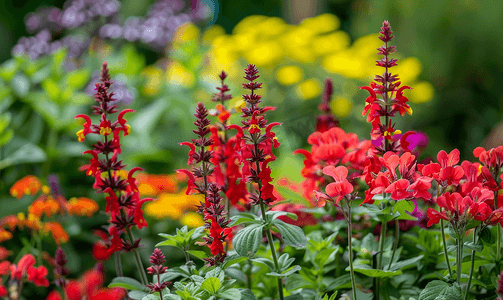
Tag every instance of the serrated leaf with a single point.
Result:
(212, 285)
(292, 235)
(136, 294)
(438, 288)
(247, 240)
(127, 283)
(232, 294)
(247, 295)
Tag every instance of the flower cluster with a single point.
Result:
(255, 147)
(384, 135)
(46, 205)
(123, 201)
(213, 207)
(88, 287)
(24, 270)
(216, 222)
(227, 174)
(330, 148)
(157, 260)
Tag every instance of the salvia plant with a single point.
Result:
(368, 221)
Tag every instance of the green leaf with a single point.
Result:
(340, 282)
(28, 153)
(247, 295)
(232, 294)
(294, 297)
(476, 247)
(6, 136)
(292, 235)
(368, 271)
(247, 241)
(212, 285)
(486, 236)
(404, 208)
(143, 122)
(127, 283)
(77, 79)
(136, 294)
(151, 297)
(437, 289)
(52, 89)
(232, 259)
(285, 273)
(405, 264)
(20, 85)
(326, 255)
(8, 69)
(243, 218)
(198, 254)
(274, 214)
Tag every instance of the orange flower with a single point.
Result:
(37, 207)
(82, 206)
(5, 235)
(32, 222)
(10, 221)
(153, 185)
(27, 185)
(58, 233)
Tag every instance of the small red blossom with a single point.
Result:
(341, 187)
(38, 276)
(398, 189)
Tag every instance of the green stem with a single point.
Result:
(350, 237)
(139, 264)
(498, 246)
(459, 257)
(249, 274)
(472, 264)
(379, 257)
(118, 264)
(273, 251)
(395, 245)
(445, 248)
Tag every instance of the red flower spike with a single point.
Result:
(267, 188)
(131, 180)
(87, 127)
(191, 182)
(191, 152)
(112, 201)
(271, 134)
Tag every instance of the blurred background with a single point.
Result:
(165, 56)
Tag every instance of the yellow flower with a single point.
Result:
(248, 23)
(192, 220)
(322, 23)
(240, 104)
(288, 75)
(186, 32)
(213, 32)
(422, 92)
(308, 89)
(330, 43)
(408, 69)
(153, 83)
(340, 106)
(345, 63)
(264, 54)
(178, 75)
